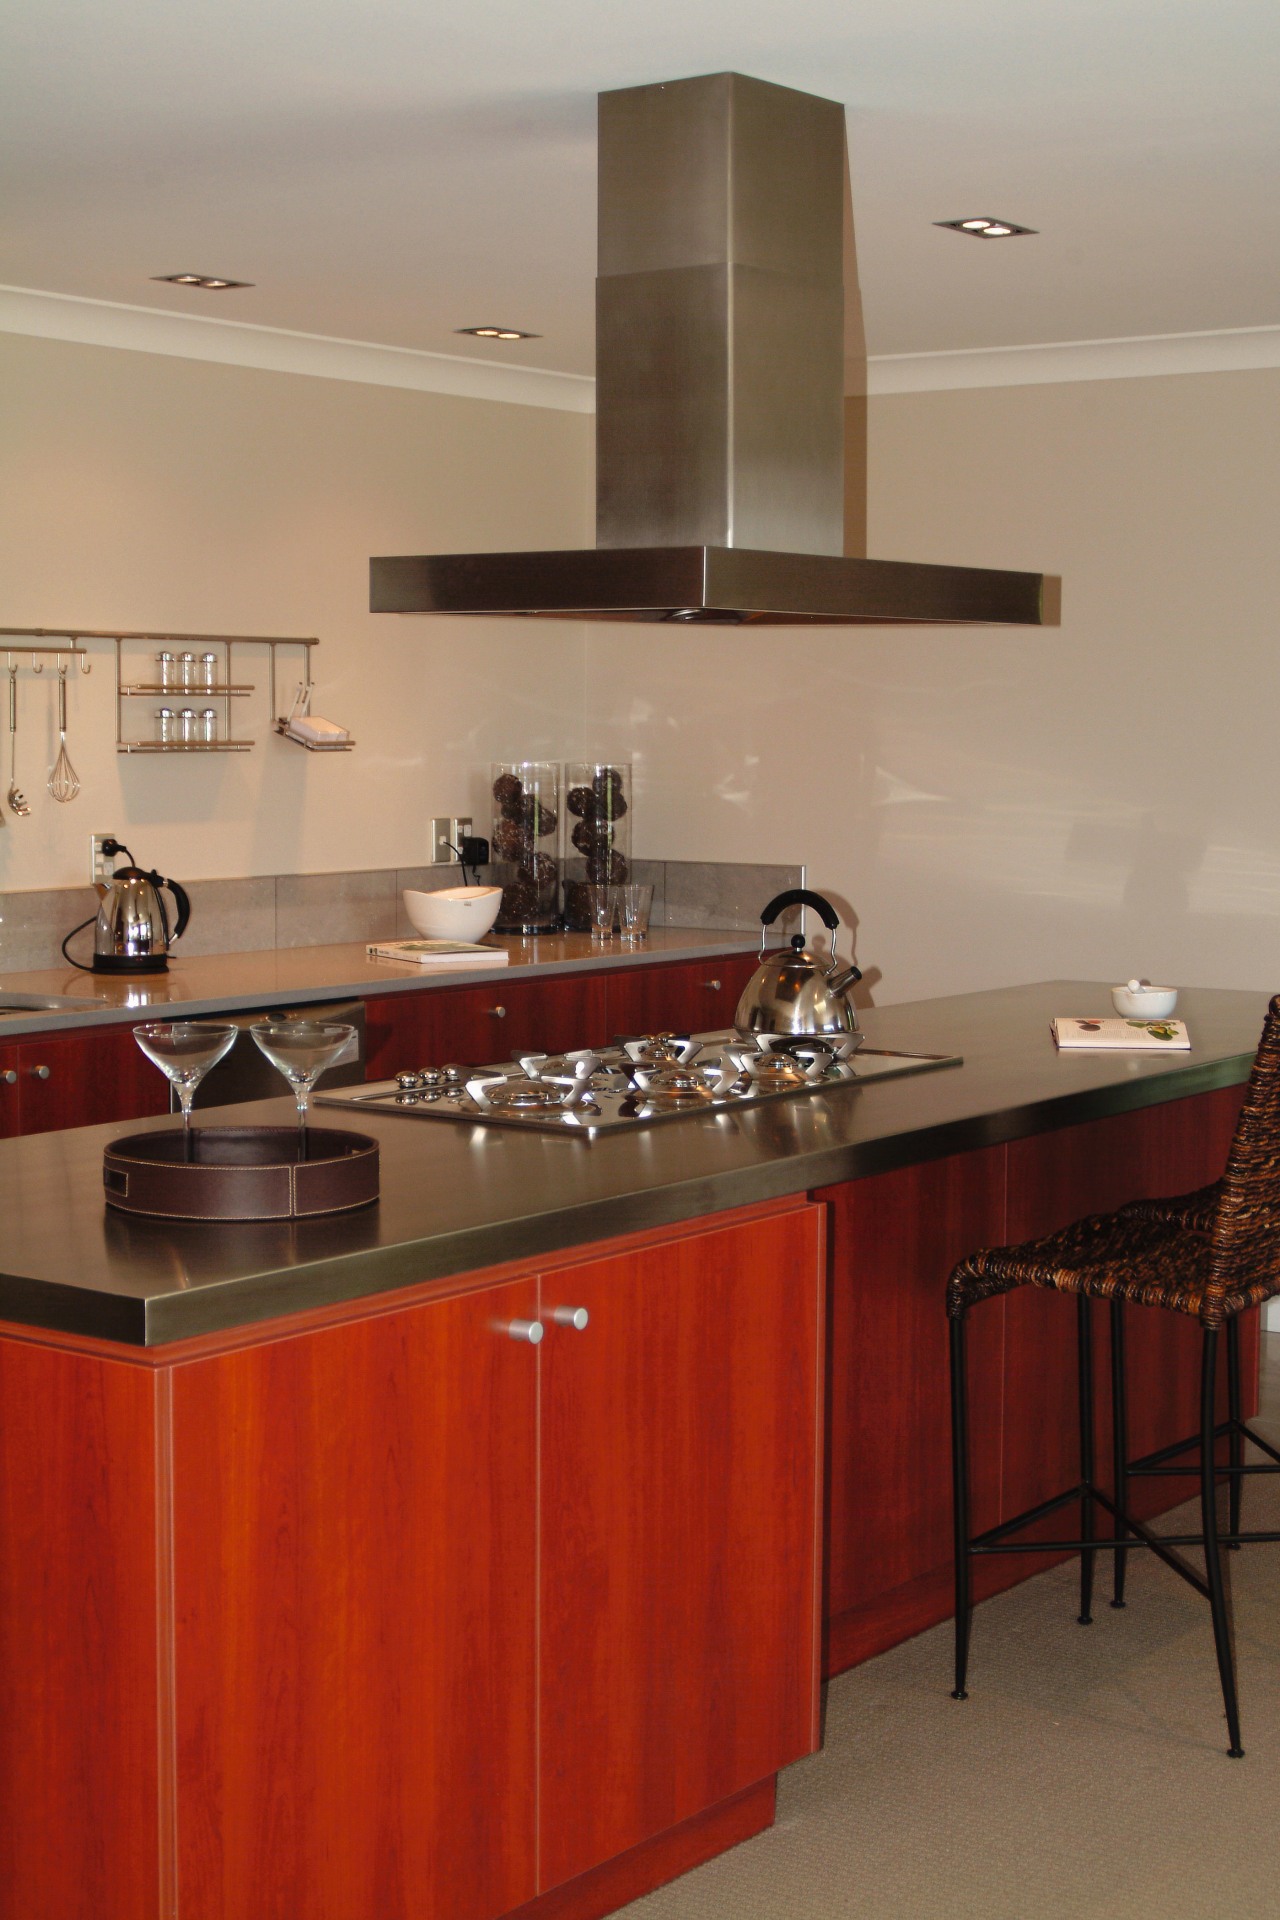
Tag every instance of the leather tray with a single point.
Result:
(241, 1173)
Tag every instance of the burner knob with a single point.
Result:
(407, 1082)
(454, 1074)
(576, 1317)
(430, 1076)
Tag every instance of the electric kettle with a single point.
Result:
(795, 990)
(132, 932)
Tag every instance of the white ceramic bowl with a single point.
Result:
(1144, 1003)
(453, 913)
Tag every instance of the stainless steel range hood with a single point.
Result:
(730, 393)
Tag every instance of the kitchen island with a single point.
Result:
(328, 1592)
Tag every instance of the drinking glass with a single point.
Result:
(602, 907)
(302, 1050)
(184, 1051)
(635, 903)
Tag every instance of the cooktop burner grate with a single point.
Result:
(645, 1081)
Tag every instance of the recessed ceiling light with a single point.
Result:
(497, 333)
(211, 282)
(984, 228)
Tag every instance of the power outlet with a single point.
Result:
(101, 865)
(447, 834)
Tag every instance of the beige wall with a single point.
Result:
(160, 493)
(1097, 801)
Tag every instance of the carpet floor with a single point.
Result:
(1085, 1778)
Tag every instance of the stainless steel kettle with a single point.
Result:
(794, 989)
(132, 932)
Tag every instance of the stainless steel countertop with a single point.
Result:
(455, 1199)
(290, 976)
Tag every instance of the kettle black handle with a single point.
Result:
(801, 897)
(183, 899)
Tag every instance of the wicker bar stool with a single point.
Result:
(1212, 1255)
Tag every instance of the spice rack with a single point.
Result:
(217, 682)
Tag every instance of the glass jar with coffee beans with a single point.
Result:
(525, 843)
(597, 799)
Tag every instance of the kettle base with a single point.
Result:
(130, 963)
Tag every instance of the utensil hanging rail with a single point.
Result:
(72, 652)
(35, 642)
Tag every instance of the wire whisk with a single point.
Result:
(64, 781)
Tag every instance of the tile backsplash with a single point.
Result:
(322, 909)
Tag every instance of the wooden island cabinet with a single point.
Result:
(327, 1593)
(397, 1613)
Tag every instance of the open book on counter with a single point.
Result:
(1107, 1036)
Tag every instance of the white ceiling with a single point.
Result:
(388, 171)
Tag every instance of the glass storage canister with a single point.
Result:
(597, 798)
(525, 844)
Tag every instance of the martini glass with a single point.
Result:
(184, 1051)
(302, 1050)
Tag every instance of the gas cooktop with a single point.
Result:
(636, 1082)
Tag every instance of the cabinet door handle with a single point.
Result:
(712, 986)
(40, 1073)
(576, 1317)
(9, 1077)
(497, 1013)
(530, 1330)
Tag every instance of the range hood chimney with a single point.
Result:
(730, 384)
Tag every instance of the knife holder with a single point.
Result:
(241, 1173)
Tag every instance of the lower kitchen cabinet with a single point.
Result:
(429, 1619)
(478, 1024)
(77, 1080)
(696, 996)
(499, 1020)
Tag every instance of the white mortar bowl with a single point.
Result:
(453, 913)
(1144, 1003)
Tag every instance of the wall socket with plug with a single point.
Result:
(447, 834)
(101, 865)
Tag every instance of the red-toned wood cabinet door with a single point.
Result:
(10, 1095)
(476, 1025)
(84, 1078)
(680, 1531)
(81, 1823)
(696, 996)
(355, 1585)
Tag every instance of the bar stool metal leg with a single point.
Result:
(1084, 1364)
(1119, 1446)
(1235, 1443)
(1212, 1554)
(960, 1504)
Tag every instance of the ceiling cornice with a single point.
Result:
(197, 336)
(105, 323)
(1231, 350)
